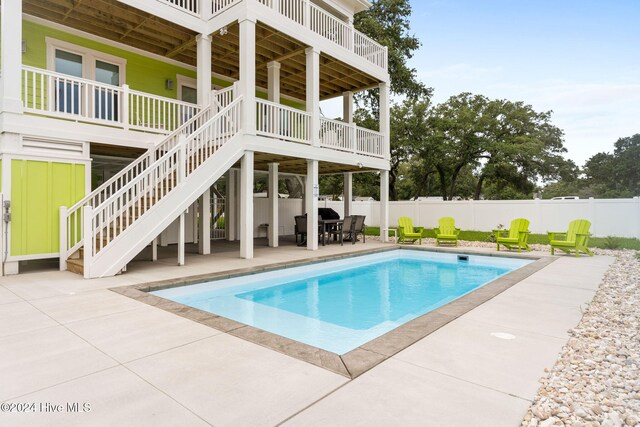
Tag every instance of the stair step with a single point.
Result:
(75, 265)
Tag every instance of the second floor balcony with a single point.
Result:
(60, 96)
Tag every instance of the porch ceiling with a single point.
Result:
(124, 24)
(298, 166)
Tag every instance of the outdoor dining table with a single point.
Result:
(324, 226)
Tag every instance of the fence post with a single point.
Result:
(124, 113)
(87, 234)
(637, 199)
(63, 238)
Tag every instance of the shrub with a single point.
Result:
(220, 223)
(612, 242)
(493, 237)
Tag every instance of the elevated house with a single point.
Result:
(118, 118)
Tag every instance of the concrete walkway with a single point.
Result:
(66, 340)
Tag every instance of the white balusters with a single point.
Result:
(279, 121)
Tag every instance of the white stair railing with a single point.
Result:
(71, 219)
(107, 222)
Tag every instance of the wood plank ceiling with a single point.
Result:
(298, 166)
(118, 22)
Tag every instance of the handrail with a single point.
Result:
(74, 215)
(112, 216)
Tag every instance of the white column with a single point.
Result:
(204, 223)
(347, 107)
(248, 74)
(347, 192)
(273, 87)
(313, 92)
(385, 117)
(230, 207)
(238, 201)
(154, 249)
(273, 205)
(203, 67)
(181, 240)
(246, 205)
(311, 200)
(384, 206)
(11, 56)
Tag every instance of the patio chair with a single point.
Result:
(446, 231)
(576, 238)
(357, 227)
(518, 234)
(300, 229)
(407, 233)
(341, 230)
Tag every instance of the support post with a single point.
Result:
(246, 205)
(385, 118)
(203, 66)
(154, 250)
(63, 238)
(87, 235)
(311, 200)
(230, 208)
(273, 205)
(273, 86)
(204, 223)
(11, 56)
(347, 192)
(313, 93)
(248, 75)
(384, 206)
(181, 240)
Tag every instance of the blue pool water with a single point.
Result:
(340, 305)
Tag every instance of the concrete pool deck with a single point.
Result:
(66, 340)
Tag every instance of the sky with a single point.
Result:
(579, 58)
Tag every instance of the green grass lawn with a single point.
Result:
(484, 236)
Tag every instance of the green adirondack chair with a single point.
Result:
(575, 239)
(446, 231)
(517, 235)
(407, 233)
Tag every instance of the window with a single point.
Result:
(90, 100)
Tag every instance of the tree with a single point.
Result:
(521, 146)
(387, 22)
(617, 174)
(507, 144)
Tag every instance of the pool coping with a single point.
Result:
(363, 358)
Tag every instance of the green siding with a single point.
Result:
(38, 189)
(143, 73)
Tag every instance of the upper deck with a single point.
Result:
(325, 25)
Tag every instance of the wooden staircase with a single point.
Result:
(139, 206)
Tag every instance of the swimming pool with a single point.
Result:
(340, 305)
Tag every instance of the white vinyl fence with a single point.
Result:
(609, 217)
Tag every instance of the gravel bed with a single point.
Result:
(596, 379)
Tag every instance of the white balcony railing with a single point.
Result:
(370, 142)
(343, 136)
(282, 122)
(54, 94)
(337, 135)
(328, 26)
